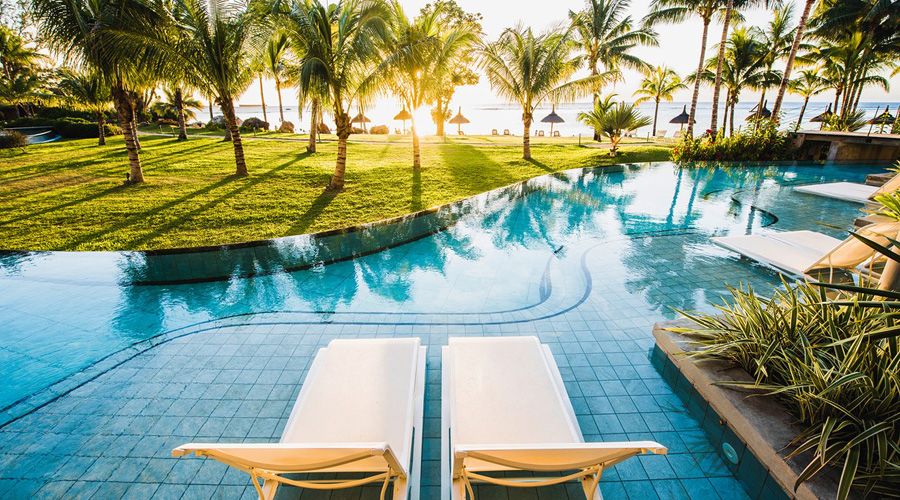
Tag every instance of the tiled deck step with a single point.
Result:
(878, 179)
(870, 219)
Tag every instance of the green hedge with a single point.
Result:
(69, 127)
(763, 144)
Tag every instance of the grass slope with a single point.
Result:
(70, 195)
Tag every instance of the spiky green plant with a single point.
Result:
(830, 353)
(613, 121)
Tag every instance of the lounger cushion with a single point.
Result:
(504, 392)
(793, 251)
(847, 191)
(364, 392)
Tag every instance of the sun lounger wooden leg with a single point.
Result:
(401, 489)
(590, 485)
(269, 489)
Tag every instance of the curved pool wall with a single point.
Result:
(586, 259)
(37, 135)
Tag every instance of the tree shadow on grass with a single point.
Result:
(244, 184)
(306, 219)
(93, 196)
(415, 202)
(472, 169)
(541, 165)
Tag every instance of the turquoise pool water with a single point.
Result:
(587, 260)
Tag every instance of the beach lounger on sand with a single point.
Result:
(803, 252)
(505, 409)
(359, 412)
(851, 191)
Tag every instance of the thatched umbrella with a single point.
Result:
(459, 120)
(681, 119)
(881, 120)
(822, 118)
(361, 118)
(403, 115)
(552, 119)
(756, 113)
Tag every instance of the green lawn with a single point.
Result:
(70, 196)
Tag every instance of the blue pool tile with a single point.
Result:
(670, 489)
(728, 487)
(640, 490)
(700, 489)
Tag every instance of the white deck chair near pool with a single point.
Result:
(505, 409)
(801, 253)
(359, 413)
(851, 191)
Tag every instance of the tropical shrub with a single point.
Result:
(613, 120)
(253, 124)
(12, 139)
(379, 130)
(830, 354)
(764, 143)
(286, 127)
(69, 127)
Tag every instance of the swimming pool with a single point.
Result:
(213, 343)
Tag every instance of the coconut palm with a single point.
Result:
(807, 84)
(676, 11)
(418, 50)
(182, 107)
(530, 69)
(15, 56)
(742, 68)
(728, 18)
(274, 62)
(88, 32)
(341, 44)
(659, 84)
(776, 39)
(217, 39)
(606, 35)
(459, 33)
(86, 90)
(614, 122)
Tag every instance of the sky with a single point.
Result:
(679, 45)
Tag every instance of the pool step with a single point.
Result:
(878, 179)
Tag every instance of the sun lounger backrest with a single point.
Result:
(853, 252)
(363, 392)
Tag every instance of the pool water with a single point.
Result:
(123, 355)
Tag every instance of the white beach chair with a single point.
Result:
(505, 408)
(800, 253)
(660, 134)
(359, 411)
(851, 191)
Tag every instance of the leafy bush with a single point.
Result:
(12, 139)
(765, 143)
(253, 124)
(379, 130)
(286, 127)
(830, 354)
(69, 127)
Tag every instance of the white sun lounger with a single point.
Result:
(505, 408)
(851, 191)
(801, 252)
(359, 412)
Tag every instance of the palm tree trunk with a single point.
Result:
(124, 110)
(280, 108)
(526, 136)
(210, 109)
(801, 27)
(342, 124)
(441, 117)
(725, 112)
(731, 117)
(719, 60)
(231, 122)
(655, 115)
(417, 160)
(802, 110)
(262, 97)
(690, 129)
(179, 110)
(101, 135)
(313, 125)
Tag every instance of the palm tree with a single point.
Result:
(20, 82)
(659, 84)
(86, 90)
(176, 103)
(807, 84)
(529, 69)
(676, 11)
(799, 32)
(614, 122)
(418, 53)
(217, 39)
(88, 32)
(720, 59)
(341, 43)
(459, 33)
(742, 68)
(606, 35)
(776, 40)
(274, 61)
